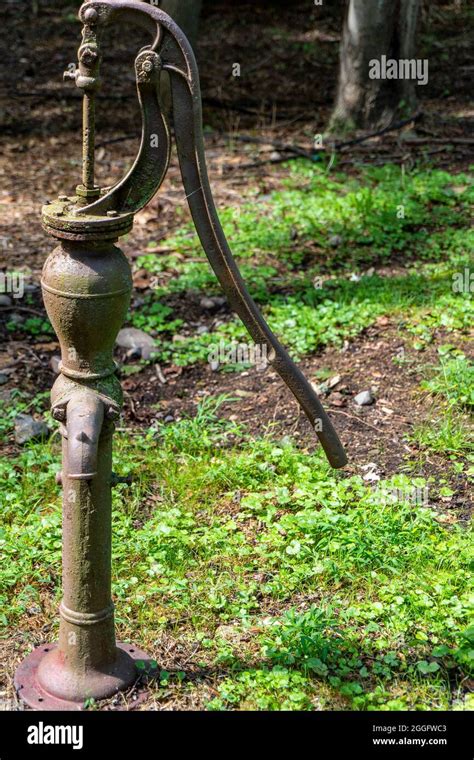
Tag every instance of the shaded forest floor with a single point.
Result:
(234, 536)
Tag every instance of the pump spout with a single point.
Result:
(84, 420)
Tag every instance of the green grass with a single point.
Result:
(381, 212)
(454, 380)
(449, 431)
(445, 433)
(286, 585)
(422, 302)
(288, 235)
(333, 598)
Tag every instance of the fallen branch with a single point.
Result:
(113, 140)
(354, 417)
(300, 152)
(440, 140)
(391, 128)
(296, 149)
(25, 309)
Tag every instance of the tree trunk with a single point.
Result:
(372, 29)
(186, 14)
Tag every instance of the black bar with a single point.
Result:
(309, 735)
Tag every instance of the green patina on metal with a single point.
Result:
(86, 286)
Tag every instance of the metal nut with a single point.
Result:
(59, 414)
(113, 413)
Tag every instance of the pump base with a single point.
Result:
(35, 696)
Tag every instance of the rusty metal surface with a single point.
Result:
(32, 693)
(86, 286)
(177, 58)
(149, 169)
(86, 290)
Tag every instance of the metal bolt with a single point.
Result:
(91, 15)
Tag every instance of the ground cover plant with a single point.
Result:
(257, 577)
(292, 587)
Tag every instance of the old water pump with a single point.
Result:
(87, 286)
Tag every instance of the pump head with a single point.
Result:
(95, 214)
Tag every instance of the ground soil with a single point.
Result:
(285, 93)
(274, 96)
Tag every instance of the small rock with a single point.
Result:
(365, 398)
(5, 300)
(169, 418)
(275, 156)
(371, 472)
(335, 241)
(202, 330)
(209, 303)
(132, 338)
(371, 477)
(3, 379)
(29, 429)
(54, 364)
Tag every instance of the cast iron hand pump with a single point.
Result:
(86, 287)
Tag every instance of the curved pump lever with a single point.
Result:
(177, 58)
